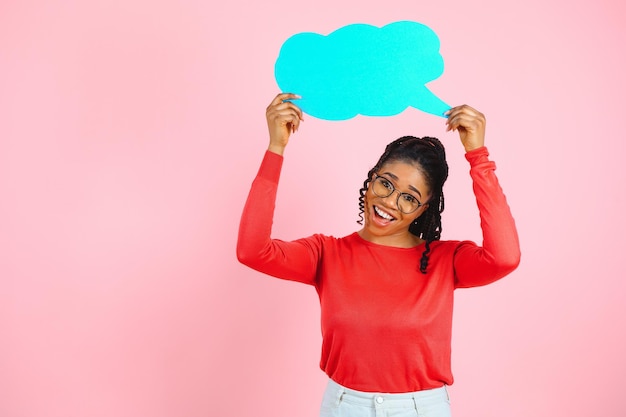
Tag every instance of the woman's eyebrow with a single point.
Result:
(395, 178)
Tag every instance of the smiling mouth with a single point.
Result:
(383, 214)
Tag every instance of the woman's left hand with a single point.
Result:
(470, 123)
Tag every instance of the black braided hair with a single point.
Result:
(429, 156)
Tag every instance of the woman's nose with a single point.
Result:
(391, 200)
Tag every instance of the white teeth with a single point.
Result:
(382, 214)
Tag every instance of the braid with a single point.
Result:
(429, 155)
(424, 258)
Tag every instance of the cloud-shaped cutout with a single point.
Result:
(362, 69)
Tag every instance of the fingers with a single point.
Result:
(281, 97)
(285, 113)
(283, 101)
(466, 117)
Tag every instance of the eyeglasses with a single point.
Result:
(383, 188)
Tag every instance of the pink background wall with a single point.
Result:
(130, 131)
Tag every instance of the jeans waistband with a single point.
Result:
(386, 400)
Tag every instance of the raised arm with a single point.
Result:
(255, 248)
(500, 252)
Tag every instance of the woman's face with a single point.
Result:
(384, 222)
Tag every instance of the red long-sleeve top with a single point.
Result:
(386, 327)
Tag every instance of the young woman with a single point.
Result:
(386, 291)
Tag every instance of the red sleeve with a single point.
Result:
(297, 260)
(500, 252)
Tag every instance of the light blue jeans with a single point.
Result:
(339, 401)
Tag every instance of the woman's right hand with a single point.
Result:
(283, 119)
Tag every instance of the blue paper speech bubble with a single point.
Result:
(362, 69)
